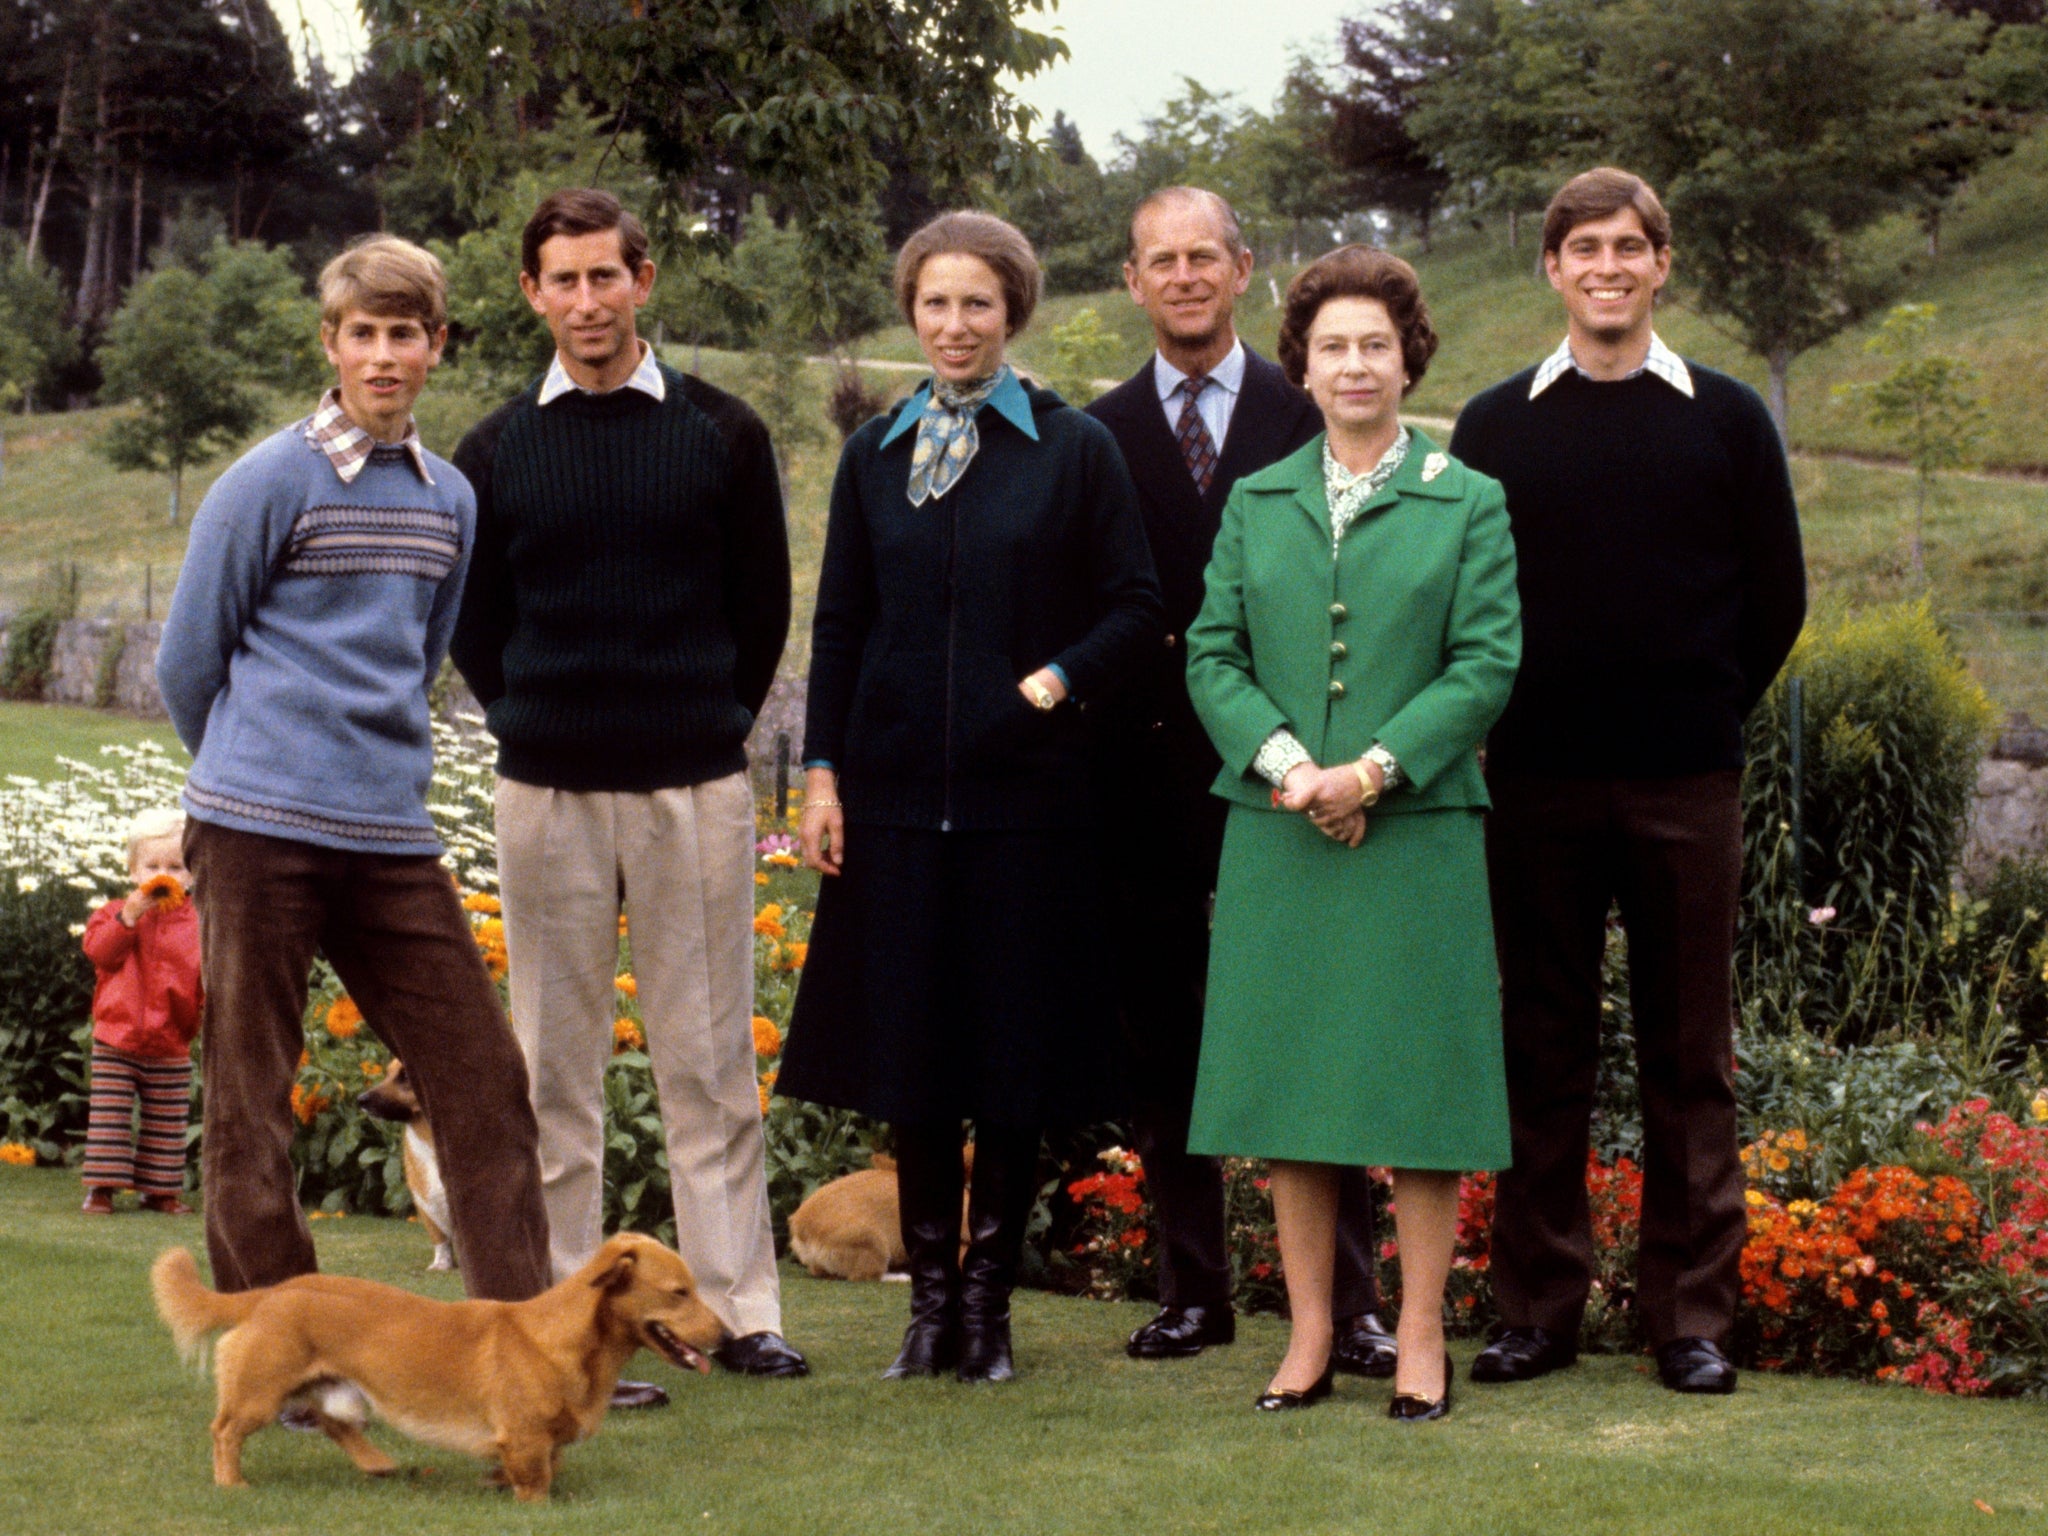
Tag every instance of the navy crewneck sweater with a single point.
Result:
(629, 595)
(1658, 558)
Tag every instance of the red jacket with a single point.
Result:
(148, 997)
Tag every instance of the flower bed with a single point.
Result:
(1934, 1276)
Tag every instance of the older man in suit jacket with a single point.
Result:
(1203, 412)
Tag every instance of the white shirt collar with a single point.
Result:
(1661, 361)
(1229, 372)
(646, 378)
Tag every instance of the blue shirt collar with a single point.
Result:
(1009, 400)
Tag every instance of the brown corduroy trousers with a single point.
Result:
(394, 931)
(1669, 852)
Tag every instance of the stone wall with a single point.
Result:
(76, 658)
(2010, 817)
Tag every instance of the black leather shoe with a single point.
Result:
(638, 1394)
(1414, 1408)
(1270, 1401)
(1364, 1347)
(1181, 1331)
(1695, 1365)
(760, 1354)
(1523, 1354)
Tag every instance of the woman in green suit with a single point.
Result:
(1358, 638)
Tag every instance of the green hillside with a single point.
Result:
(1495, 314)
(1987, 542)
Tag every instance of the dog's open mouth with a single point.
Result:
(675, 1351)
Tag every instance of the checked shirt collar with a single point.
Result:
(1662, 361)
(348, 447)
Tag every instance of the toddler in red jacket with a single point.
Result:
(145, 1015)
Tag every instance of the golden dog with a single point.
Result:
(852, 1229)
(393, 1098)
(512, 1382)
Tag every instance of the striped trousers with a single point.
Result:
(152, 1163)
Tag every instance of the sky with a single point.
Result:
(1128, 55)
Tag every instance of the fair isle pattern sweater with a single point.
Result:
(309, 619)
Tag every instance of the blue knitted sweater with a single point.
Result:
(309, 619)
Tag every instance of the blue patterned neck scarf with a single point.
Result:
(946, 435)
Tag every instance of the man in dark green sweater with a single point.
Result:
(1662, 586)
(627, 605)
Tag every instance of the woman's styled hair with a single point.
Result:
(385, 276)
(153, 826)
(1597, 194)
(1357, 272)
(581, 211)
(984, 236)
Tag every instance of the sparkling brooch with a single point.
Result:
(1435, 465)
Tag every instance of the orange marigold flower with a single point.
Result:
(482, 901)
(626, 1036)
(794, 954)
(627, 984)
(167, 889)
(307, 1103)
(372, 1070)
(18, 1154)
(344, 1018)
(767, 1038)
(759, 878)
(768, 921)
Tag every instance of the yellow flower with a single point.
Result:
(19, 1154)
(627, 984)
(1794, 1139)
(481, 901)
(626, 1036)
(767, 1038)
(1778, 1162)
(782, 860)
(2039, 1108)
(344, 1018)
(759, 878)
(1754, 1196)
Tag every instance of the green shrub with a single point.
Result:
(45, 995)
(31, 643)
(1894, 729)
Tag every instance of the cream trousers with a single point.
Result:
(679, 864)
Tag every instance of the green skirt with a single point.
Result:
(1354, 1004)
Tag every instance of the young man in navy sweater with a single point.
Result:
(623, 622)
(1662, 586)
(313, 610)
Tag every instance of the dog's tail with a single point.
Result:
(188, 1308)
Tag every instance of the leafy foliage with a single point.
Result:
(45, 993)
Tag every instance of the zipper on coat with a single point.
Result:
(952, 635)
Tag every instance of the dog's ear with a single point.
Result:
(618, 1274)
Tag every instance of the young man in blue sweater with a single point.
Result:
(319, 589)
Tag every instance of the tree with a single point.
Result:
(1082, 349)
(192, 394)
(1507, 111)
(1929, 400)
(1777, 131)
(35, 342)
(809, 100)
(1387, 60)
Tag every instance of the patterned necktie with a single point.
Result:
(1196, 445)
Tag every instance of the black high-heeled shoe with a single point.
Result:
(1270, 1401)
(1414, 1408)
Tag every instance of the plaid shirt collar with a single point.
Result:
(646, 378)
(1662, 361)
(348, 447)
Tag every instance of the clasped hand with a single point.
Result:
(1332, 798)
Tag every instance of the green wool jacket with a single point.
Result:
(1411, 638)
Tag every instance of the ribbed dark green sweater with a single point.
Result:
(628, 598)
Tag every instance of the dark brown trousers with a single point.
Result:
(394, 931)
(1669, 852)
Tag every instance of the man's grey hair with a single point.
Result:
(1226, 216)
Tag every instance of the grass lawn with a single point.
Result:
(106, 1434)
(34, 736)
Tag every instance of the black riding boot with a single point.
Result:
(1000, 1196)
(928, 1181)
